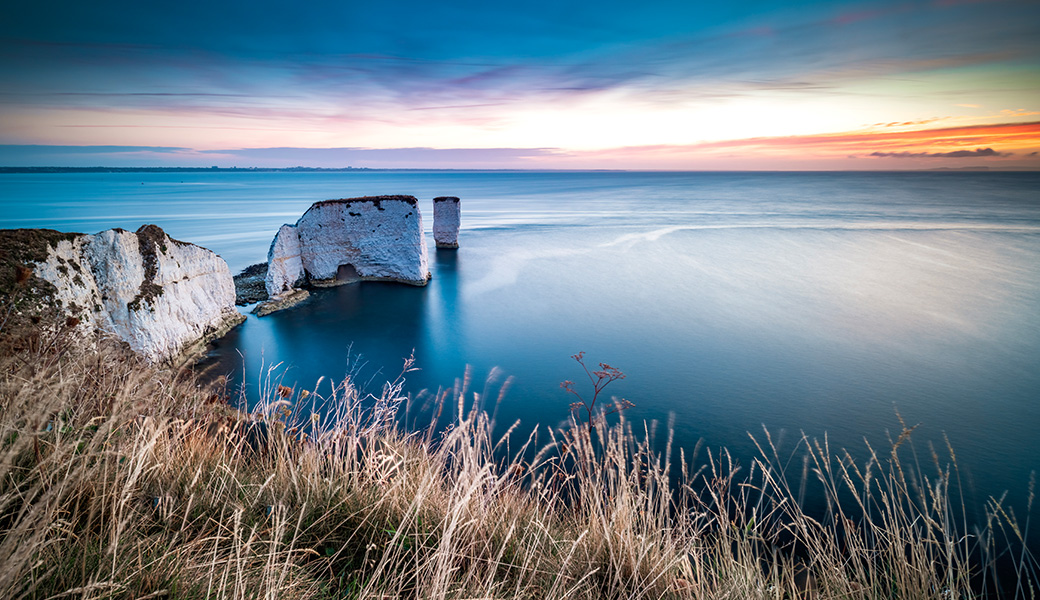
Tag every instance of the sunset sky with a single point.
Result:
(542, 84)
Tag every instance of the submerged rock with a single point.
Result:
(163, 297)
(446, 211)
(280, 302)
(373, 238)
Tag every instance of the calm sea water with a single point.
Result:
(802, 302)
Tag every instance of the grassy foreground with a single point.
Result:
(120, 480)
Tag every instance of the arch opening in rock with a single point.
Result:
(347, 273)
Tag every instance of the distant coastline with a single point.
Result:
(178, 169)
(262, 170)
(3, 170)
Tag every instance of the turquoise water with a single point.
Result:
(815, 302)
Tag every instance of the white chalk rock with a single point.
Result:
(76, 288)
(370, 238)
(446, 221)
(163, 297)
(284, 266)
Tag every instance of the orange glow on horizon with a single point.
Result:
(1002, 144)
(1002, 136)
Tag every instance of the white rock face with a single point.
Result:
(77, 289)
(159, 295)
(284, 267)
(446, 221)
(339, 241)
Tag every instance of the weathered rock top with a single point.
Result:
(376, 200)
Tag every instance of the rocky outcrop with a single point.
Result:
(163, 297)
(281, 302)
(374, 238)
(284, 262)
(446, 221)
(250, 286)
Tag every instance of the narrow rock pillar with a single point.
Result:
(446, 221)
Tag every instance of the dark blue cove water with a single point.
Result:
(804, 302)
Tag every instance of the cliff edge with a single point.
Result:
(165, 298)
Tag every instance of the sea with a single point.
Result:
(835, 306)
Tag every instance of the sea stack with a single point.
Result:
(373, 238)
(446, 221)
(165, 298)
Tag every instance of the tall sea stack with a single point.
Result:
(373, 238)
(446, 221)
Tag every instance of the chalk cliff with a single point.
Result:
(163, 297)
(374, 238)
(446, 221)
(284, 265)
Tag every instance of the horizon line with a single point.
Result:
(301, 168)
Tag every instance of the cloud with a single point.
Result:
(14, 155)
(909, 123)
(834, 150)
(1016, 144)
(29, 149)
(1021, 112)
(977, 153)
(479, 158)
(387, 56)
(148, 156)
(920, 140)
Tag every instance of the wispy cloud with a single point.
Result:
(1014, 135)
(480, 158)
(1021, 112)
(976, 153)
(28, 149)
(1011, 144)
(502, 58)
(90, 156)
(505, 75)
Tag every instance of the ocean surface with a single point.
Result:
(820, 303)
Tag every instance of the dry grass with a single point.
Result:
(119, 480)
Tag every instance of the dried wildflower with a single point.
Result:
(284, 391)
(600, 379)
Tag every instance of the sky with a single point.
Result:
(540, 84)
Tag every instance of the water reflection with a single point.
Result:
(446, 315)
(367, 328)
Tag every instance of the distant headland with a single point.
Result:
(179, 169)
(300, 169)
(216, 169)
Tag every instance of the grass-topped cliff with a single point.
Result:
(123, 480)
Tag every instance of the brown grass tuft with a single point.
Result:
(120, 480)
